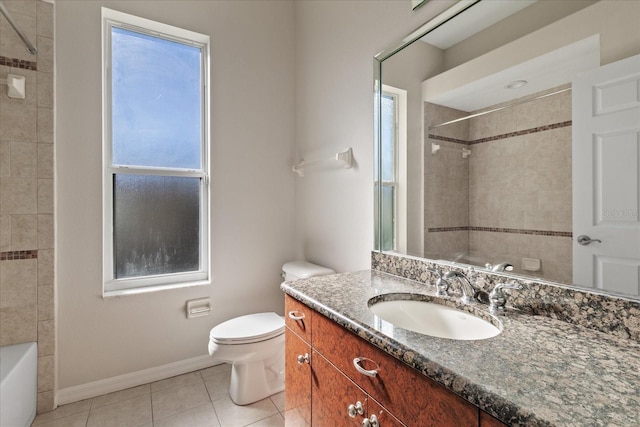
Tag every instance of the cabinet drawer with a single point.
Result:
(415, 399)
(297, 317)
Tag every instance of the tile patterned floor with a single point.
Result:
(196, 399)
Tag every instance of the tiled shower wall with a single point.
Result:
(27, 289)
(519, 186)
(446, 185)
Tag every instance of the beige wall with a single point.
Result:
(446, 185)
(252, 75)
(335, 45)
(26, 192)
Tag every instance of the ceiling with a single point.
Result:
(555, 68)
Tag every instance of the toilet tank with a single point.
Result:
(302, 269)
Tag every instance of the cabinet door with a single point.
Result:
(297, 378)
(332, 393)
(409, 395)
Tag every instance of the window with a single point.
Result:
(155, 155)
(393, 170)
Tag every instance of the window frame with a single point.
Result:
(399, 183)
(133, 285)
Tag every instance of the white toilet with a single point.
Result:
(254, 345)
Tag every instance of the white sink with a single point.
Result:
(434, 319)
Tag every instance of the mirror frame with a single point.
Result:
(441, 19)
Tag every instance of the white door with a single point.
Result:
(606, 177)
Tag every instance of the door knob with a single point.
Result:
(585, 240)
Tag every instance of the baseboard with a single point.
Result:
(133, 379)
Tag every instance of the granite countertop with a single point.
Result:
(538, 372)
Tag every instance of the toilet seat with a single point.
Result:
(248, 329)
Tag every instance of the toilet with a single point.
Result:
(254, 345)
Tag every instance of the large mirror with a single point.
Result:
(508, 138)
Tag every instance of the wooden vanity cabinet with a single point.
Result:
(410, 396)
(319, 390)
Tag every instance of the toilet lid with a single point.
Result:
(248, 329)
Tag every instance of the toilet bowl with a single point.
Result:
(254, 345)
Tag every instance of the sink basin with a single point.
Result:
(434, 319)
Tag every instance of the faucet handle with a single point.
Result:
(442, 287)
(497, 298)
(442, 284)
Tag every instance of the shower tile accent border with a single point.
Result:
(522, 132)
(503, 230)
(19, 63)
(15, 255)
(502, 136)
(448, 139)
(614, 315)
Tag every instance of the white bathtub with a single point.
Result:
(18, 384)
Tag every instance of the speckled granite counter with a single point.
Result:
(538, 372)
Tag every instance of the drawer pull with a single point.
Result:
(372, 421)
(296, 315)
(367, 372)
(303, 359)
(356, 409)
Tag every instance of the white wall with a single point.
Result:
(335, 45)
(252, 128)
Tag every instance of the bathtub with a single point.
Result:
(18, 384)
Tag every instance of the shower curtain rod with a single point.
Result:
(30, 47)
(482, 113)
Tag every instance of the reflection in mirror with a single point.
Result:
(520, 133)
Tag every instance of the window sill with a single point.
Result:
(150, 289)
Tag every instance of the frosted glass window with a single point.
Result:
(157, 227)
(156, 144)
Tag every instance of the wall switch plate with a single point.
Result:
(198, 307)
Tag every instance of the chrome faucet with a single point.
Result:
(497, 298)
(468, 291)
(503, 266)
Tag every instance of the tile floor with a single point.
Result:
(196, 399)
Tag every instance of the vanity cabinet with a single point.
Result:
(410, 396)
(320, 389)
